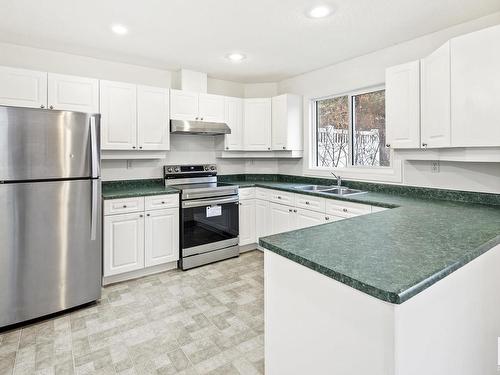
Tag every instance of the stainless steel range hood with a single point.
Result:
(198, 127)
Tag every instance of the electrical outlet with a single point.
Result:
(129, 164)
(435, 167)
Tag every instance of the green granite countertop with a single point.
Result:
(135, 188)
(394, 254)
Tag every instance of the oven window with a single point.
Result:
(200, 227)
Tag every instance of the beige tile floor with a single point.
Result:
(208, 320)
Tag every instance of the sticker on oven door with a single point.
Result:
(214, 211)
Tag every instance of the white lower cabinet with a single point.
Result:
(140, 239)
(161, 237)
(262, 212)
(123, 243)
(247, 222)
(281, 218)
(308, 218)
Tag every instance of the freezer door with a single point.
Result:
(40, 144)
(50, 247)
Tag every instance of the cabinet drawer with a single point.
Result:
(122, 206)
(282, 197)
(264, 194)
(346, 209)
(247, 193)
(158, 202)
(310, 203)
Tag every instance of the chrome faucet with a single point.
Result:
(339, 179)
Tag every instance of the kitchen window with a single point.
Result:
(350, 131)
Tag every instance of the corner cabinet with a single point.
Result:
(257, 121)
(402, 105)
(134, 117)
(140, 233)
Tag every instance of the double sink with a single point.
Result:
(332, 190)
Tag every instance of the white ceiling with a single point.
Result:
(277, 37)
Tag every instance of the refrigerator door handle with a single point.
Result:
(94, 209)
(94, 151)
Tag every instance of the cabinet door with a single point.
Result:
(123, 243)
(153, 128)
(183, 105)
(234, 119)
(23, 88)
(257, 124)
(435, 98)
(307, 218)
(262, 222)
(118, 116)
(70, 93)
(286, 122)
(402, 105)
(282, 218)
(211, 108)
(162, 236)
(247, 222)
(475, 88)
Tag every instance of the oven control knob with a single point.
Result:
(169, 170)
(212, 167)
(176, 169)
(207, 168)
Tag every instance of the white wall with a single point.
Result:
(368, 71)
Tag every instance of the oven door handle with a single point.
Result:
(209, 202)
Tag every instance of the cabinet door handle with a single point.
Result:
(388, 145)
(278, 197)
(140, 147)
(201, 119)
(162, 202)
(290, 210)
(227, 148)
(269, 148)
(124, 206)
(133, 147)
(327, 218)
(196, 118)
(307, 202)
(284, 148)
(344, 209)
(424, 145)
(141, 215)
(148, 215)
(51, 107)
(42, 106)
(295, 211)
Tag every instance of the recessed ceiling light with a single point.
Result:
(320, 11)
(119, 29)
(236, 57)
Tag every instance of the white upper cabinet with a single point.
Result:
(118, 116)
(211, 108)
(233, 117)
(71, 93)
(23, 88)
(257, 124)
(475, 88)
(402, 105)
(435, 98)
(287, 122)
(153, 127)
(184, 105)
(161, 237)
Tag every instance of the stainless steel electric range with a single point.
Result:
(209, 214)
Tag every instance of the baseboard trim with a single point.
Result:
(108, 280)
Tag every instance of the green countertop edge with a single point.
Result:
(135, 188)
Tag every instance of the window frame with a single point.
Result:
(392, 173)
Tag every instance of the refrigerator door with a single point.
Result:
(50, 247)
(40, 144)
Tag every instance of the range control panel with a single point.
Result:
(187, 169)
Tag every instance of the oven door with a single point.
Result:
(209, 224)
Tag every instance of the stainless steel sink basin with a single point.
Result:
(314, 187)
(333, 190)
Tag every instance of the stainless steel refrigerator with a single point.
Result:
(50, 212)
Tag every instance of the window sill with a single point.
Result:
(392, 174)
